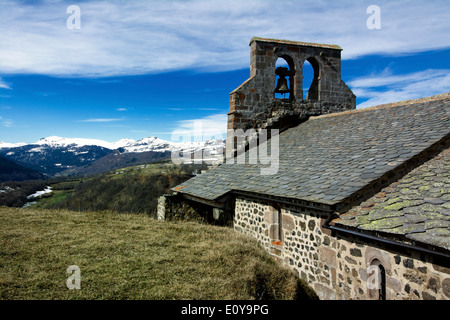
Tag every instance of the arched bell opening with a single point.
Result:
(311, 77)
(284, 78)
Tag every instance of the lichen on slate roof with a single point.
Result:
(328, 158)
(417, 206)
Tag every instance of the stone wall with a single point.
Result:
(253, 104)
(409, 275)
(298, 245)
(336, 267)
(172, 207)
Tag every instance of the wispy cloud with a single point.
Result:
(122, 109)
(138, 37)
(101, 120)
(6, 122)
(46, 94)
(209, 109)
(387, 87)
(4, 85)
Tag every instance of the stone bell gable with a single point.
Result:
(254, 103)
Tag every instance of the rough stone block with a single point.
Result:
(288, 223)
(327, 256)
(355, 252)
(270, 215)
(324, 292)
(274, 232)
(446, 287)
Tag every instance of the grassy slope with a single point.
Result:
(124, 256)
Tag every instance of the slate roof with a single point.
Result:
(417, 206)
(330, 157)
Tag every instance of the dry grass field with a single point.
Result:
(132, 256)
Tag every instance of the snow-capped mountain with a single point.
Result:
(57, 155)
(127, 145)
(11, 145)
(159, 145)
(59, 142)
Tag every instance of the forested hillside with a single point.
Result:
(133, 189)
(127, 193)
(11, 171)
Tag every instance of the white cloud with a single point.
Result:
(138, 37)
(387, 87)
(122, 109)
(210, 127)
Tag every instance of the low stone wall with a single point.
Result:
(335, 266)
(175, 207)
(172, 207)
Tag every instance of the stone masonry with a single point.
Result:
(336, 267)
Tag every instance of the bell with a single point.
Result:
(282, 86)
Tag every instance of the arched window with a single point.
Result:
(283, 79)
(311, 79)
(377, 280)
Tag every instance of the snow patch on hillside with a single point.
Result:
(40, 193)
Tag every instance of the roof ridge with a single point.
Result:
(440, 96)
(301, 43)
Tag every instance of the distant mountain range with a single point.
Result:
(57, 156)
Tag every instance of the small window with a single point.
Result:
(377, 280)
(276, 233)
(277, 223)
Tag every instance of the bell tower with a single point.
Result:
(257, 102)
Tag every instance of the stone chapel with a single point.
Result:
(359, 206)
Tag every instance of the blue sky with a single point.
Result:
(146, 68)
